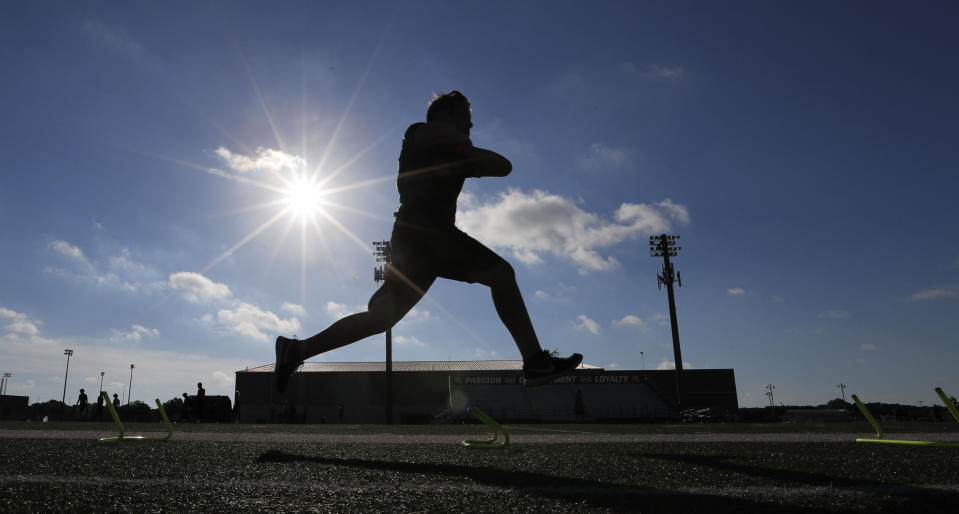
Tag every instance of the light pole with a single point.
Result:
(842, 389)
(384, 254)
(5, 383)
(665, 246)
(101, 384)
(68, 352)
(130, 389)
(769, 393)
(643, 357)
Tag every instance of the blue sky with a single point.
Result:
(805, 153)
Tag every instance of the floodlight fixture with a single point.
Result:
(68, 352)
(130, 389)
(383, 251)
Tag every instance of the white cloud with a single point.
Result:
(21, 323)
(249, 320)
(602, 156)
(660, 319)
(266, 159)
(226, 378)
(125, 262)
(198, 288)
(294, 308)
(121, 264)
(630, 320)
(735, 291)
(69, 250)
(934, 294)
(666, 72)
(834, 314)
(409, 341)
(136, 334)
(612, 365)
(337, 310)
(585, 323)
(668, 364)
(416, 315)
(485, 354)
(540, 222)
(655, 71)
(867, 346)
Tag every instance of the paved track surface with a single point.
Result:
(570, 468)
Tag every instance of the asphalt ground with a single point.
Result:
(558, 468)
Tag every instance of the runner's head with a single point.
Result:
(452, 108)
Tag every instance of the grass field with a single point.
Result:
(559, 468)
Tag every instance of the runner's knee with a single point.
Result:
(502, 274)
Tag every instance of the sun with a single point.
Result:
(303, 197)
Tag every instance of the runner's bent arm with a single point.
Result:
(486, 163)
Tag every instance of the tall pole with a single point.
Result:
(130, 389)
(842, 387)
(384, 254)
(6, 382)
(769, 393)
(665, 246)
(101, 383)
(68, 352)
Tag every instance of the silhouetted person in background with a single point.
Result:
(186, 413)
(236, 406)
(200, 396)
(116, 401)
(100, 405)
(436, 159)
(82, 403)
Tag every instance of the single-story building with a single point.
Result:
(438, 391)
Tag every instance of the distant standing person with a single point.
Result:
(100, 406)
(82, 403)
(116, 401)
(236, 406)
(435, 160)
(200, 396)
(187, 407)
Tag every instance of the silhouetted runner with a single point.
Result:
(436, 158)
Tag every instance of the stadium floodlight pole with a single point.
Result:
(384, 254)
(6, 382)
(68, 352)
(769, 393)
(665, 246)
(101, 380)
(842, 388)
(130, 389)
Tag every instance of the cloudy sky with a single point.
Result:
(183, 182)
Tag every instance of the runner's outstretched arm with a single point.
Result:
(487, 163)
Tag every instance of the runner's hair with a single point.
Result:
(446, 103)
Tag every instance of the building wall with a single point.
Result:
(418, 397)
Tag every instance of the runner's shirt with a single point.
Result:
(429, 180)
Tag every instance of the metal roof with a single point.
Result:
(348, 367)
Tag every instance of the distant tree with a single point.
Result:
(837, 403)
(137, 411)
(52, 409)
(173, 408)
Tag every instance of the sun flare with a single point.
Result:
(303, 197)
